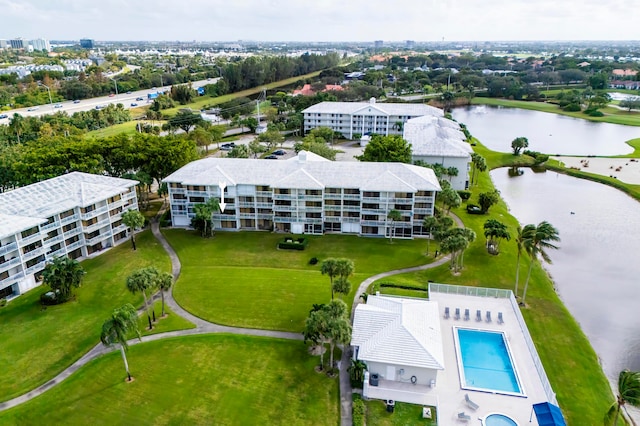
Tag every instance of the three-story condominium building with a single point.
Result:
(306, 194)
(74, 215)
(351, 118)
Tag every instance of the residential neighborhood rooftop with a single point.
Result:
(394, 109)
(436, 136)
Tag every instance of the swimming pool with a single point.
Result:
(485, 362)
(498, 420)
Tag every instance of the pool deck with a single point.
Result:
(448, 395)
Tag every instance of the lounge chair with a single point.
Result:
(446, 313)
(478, 315)
(470, 403)
(464, 417)
(466, 315)
(457, 315)
(488, 316)
(500, 320)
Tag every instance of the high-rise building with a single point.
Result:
(378, 44)
(40, 44)
(410, 44)
(17, 43)
(86, 43)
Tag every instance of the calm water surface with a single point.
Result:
(496, 127)
(597, 269)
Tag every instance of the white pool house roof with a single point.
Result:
(23, 208)
(400, 331)
(436, 137)
(307, 172)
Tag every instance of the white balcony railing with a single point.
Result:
(8, 248)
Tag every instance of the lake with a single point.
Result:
(550, 133)
(596, 271)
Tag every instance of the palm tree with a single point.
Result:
(628, 393)
(330, 267)
(494, 231)
(520, 247)
(134, 220)
(537, 240)
(394, 216)
(115, 330)
(17, 124)
(452, 172)
(203, 212)
(163, 282)
(429, 223)
(139, 282)
(342, 286)
(62, 274)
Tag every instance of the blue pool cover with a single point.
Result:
(548, 414)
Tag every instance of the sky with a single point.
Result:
(321, 20)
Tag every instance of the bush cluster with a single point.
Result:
(358, 411)
(474, 209)
(464, 195)
(313, 261)
(290, 243)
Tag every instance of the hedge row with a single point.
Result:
(290, 243)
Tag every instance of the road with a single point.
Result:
(126, 99)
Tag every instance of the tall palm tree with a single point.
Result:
(115, 330)
(139, 282)
(628, 393)
(394, 216)
(330, 267)
(63, 274)
(429, 223)
(537, 241)
(163, 282)
(520, 246)
(204, 212)
(134, 220)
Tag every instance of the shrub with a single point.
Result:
(474, 209)
(465, 195)
(290, 243)
(3, 302)
(313, 261)
(50, 298)
(358, 410)
(572, 108)
(165, 220)
(594, 113)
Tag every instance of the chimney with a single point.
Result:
(372, 100)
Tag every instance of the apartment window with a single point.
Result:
(88, 208)
(66, 214)
(71, 240)
(86, 223)
(29, 232)
(178, 196)
(196, 199)
(31, 247)
(115, 198)
(35, 261)
(175, 185)
(69, 227)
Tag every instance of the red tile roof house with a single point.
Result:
(308, 91)
(624, 72)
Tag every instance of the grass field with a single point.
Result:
(241, 279)
(37, 344)
(569, 360)
(612, 115)
(404, 414)
(212, 379)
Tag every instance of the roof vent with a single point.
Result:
(372, 100)
(302, 157)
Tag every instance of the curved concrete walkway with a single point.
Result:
(206, 327)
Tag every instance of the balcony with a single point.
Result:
(12, 279)
(57, 253)
(8, 248)
(97, 239)
(267, 216)
(332, 196)
(10, 264)
(350, 220)
(278, 219)
(34, 268)
(178, 201)
(31, 239)
(316, 209)
(277, 208)
(73, 246)
(332, 207)
(55, 240)
(246, 203)
(224, 217)
(49, 226)
(333, 219)
(72, 232)
(373, 222)
(34, 253)
(247, 215)
(312, 220)
(401, 200)
(69, 219)
(94, 213)
(198, 194)
(373, 200)
(351, 196)
(264, 205)
(119, 229)
(310, 197)
(374, 211)
(283, 196)
(351, 208)
(95, 226)
(423, 199)
(264, 194)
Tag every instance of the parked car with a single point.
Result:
(134, 104)
(279, 152)
(271, 157)
(57, 106)
(3, 116)
(77, 101)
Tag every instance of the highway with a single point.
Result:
(126, 99)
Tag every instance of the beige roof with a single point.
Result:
(306, 174)
(400, 331)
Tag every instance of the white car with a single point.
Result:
(57, 106)
(35, 108)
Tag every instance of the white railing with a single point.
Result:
(8, 247)
(31, 239)
(94, 213)
(74, 246)
(333, 219)
(348, 208)
(503, 294)
(69, 219)
(37, 266)
(10, 264)
(72, 232)
(15, 277)
(351, 196)
(262, 205)
(48, 226)
(333, 207)
(332, 196)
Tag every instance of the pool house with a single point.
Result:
(465, 352)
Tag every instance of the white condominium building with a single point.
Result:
(74, 215)
(306, 194)
(365, 118)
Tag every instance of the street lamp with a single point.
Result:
(49, 91)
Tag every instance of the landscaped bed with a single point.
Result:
(38, 343)
(241, 279)
(210, 379)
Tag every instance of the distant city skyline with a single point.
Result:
(321, 20)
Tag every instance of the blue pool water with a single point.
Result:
(486, 363)
(499, 420)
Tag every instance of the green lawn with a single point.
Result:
(212, 379)
(129, 128)
(569, 360)
(170, 322)
(37, 344)
(241, 279)
(612, 115)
